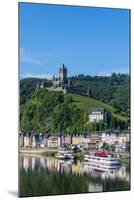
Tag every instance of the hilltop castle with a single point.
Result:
(60, 83)
(62, 80)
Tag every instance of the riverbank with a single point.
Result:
(52, 152)
(49, 152)
(45, 152)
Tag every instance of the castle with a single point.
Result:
(60, 83)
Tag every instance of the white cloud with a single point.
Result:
(27, 57)
(30, 75)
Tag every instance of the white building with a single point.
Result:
(26, 140)
(34, 142)
(109, 138)
(97, 115)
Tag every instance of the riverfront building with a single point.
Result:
(117, 140)
(21, 139)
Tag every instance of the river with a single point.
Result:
(40, 176)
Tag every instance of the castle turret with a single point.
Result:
(42, 84)
(63, 73)
(68, 82)
(37, 85)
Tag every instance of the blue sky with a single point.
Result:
(92, 41)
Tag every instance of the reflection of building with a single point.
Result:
(33, 163)
(121, 174)
(95, 187)
(97, 115)
(77, 169)
(26, 163)
(50, 164)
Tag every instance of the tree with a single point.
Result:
(105, 146)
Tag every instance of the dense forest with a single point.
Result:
(27, 86)
(113, 90)
(50, 112)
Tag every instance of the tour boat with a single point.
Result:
(64, 154)
(101, 160)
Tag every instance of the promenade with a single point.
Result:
(38, 151)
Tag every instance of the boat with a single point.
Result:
(64, 154)
(101, 161)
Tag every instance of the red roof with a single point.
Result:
(103, 153)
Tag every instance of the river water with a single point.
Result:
(39, 175)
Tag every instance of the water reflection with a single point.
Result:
(75, 168)
(67, 177)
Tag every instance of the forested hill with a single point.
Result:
(50, 111)
(27, 86)
(112, 90)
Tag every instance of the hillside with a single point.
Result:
(113, 91)
(51, 111)
(86, 103)
(27, 86)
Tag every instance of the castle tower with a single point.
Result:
(69, 82)
(37, 85)
(42, 84)
(63, 73)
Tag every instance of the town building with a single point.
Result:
(68, 139)
(77, 139)
(53, 142)
(26, 140)
(34, 141)
(21, 139)
(109, 138)
(118, 139)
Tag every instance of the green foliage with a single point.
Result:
(79, 155)
(50, 111)
(27, 86)
(42, 110)
(113, 90)
(85, 103)
(105, 146)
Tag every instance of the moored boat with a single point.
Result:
(102, 160)
(64, 155)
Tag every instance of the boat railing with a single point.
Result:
(99, 158)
